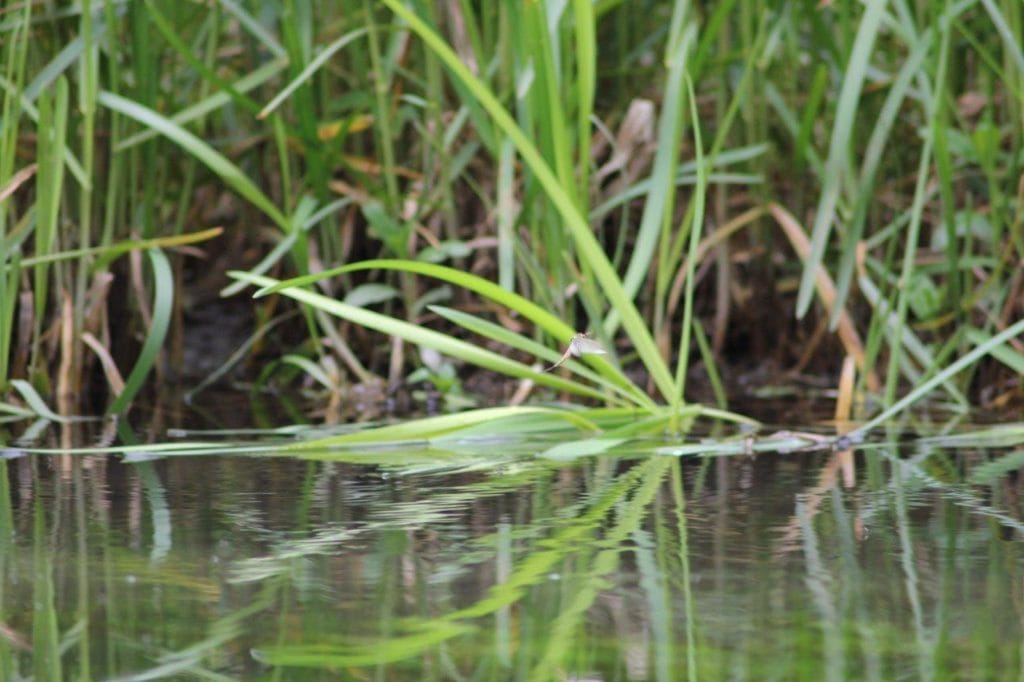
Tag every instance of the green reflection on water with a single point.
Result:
(618, 567)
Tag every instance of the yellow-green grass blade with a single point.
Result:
(106, 254)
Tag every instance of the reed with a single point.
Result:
(554, 149)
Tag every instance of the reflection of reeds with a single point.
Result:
(395, 561)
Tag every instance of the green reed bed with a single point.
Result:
(670, 177)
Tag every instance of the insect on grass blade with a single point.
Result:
(581, 344)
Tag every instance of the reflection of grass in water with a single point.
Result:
(570, 538)
(587, 549)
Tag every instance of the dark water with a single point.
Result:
(485, 562)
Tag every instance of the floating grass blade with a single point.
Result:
(434, 427)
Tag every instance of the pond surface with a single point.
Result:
(487, 562)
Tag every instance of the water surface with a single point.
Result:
(487, 562)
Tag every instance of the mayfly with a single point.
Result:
(581, 344)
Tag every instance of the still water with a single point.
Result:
(487, 562)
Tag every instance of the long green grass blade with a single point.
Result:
(442, 343)
(213, 102)
(214, 160)
(163, 304)
(835, 166)
(586, 84)
(691, 258)
(539, 316)
(53, 118)
(660, 202)
(307, 73)
(988, 347)
(869, 168)
(514, 302)
(1011, 38)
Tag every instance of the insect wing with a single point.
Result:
(584, 345)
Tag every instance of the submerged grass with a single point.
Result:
(537, 157)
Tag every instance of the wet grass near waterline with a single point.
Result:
(442, 564)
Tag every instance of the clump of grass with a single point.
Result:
(596, 161)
